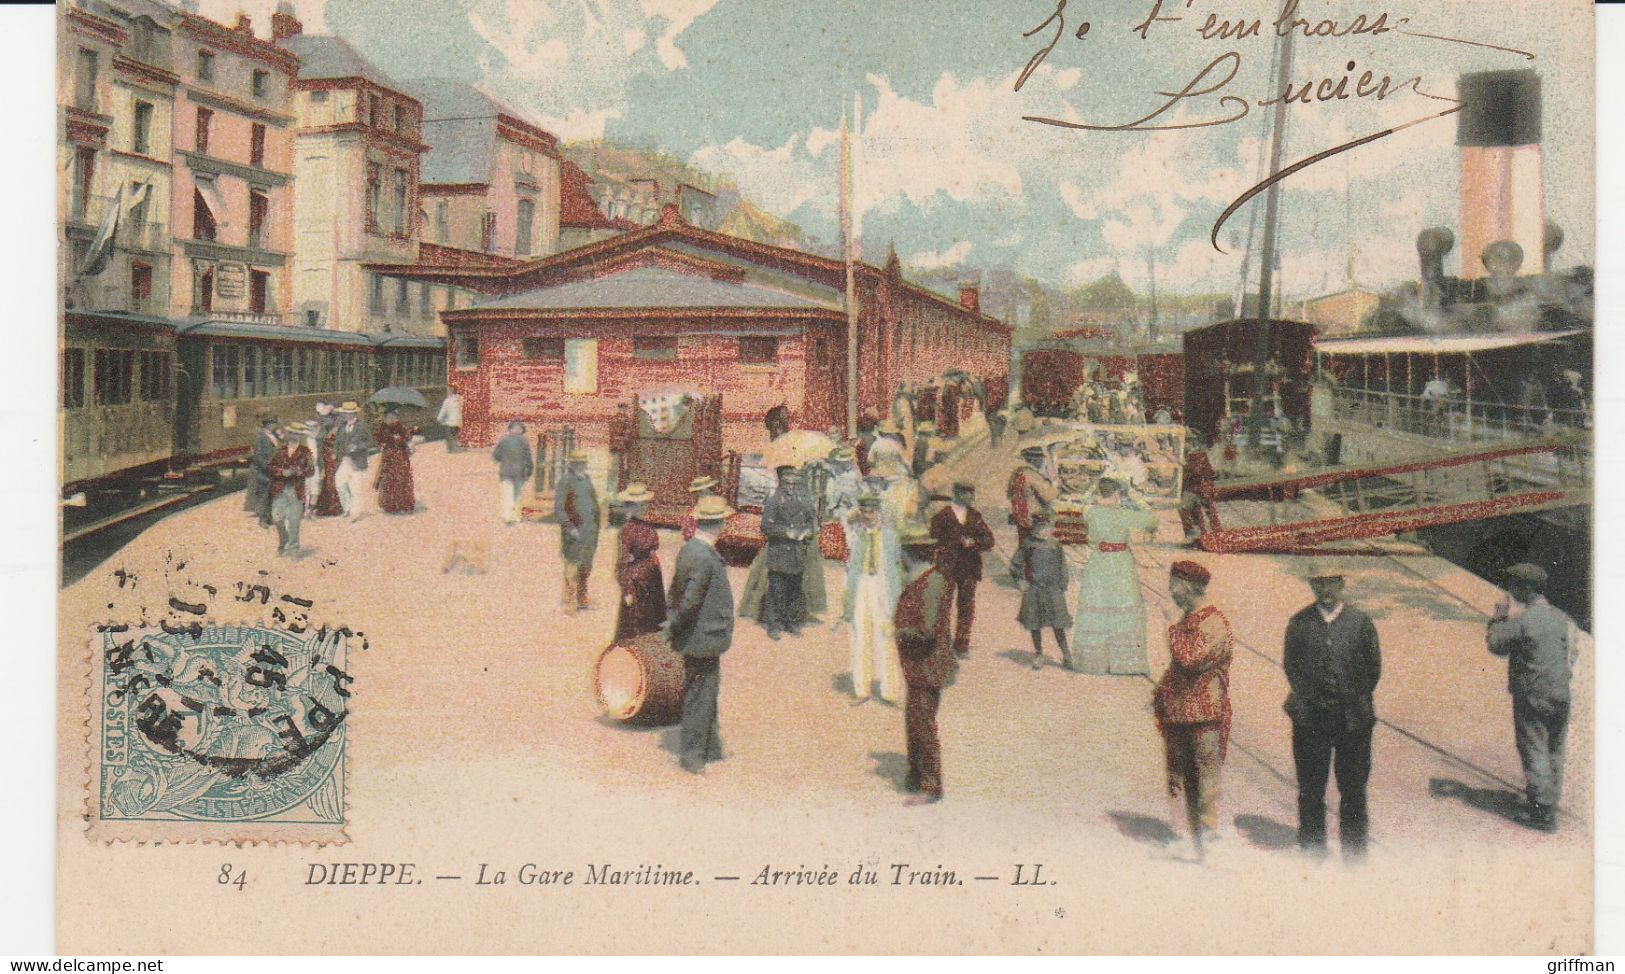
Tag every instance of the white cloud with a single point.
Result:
(678, 15)
(777, 179)
(1090, 269)
(931, 260)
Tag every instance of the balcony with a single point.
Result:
(133, 233)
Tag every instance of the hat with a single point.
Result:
(1190, 571)
(887, 426)
(926, 427)
(868, 499)
(300, 429)
(576, 456)
(1039, 516)
(1032, 452)
(785, 468)
(916, 536)
(701, 483)
(635, 494)
(267, 421)
(842, 454)
(1528, 574)
(712, 509)
(349, 407)
(964, 485)
(1319, 568)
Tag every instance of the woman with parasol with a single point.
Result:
(394, 481)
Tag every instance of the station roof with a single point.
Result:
(658, 287)
(1438, 344)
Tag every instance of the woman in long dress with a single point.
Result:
(637, 569)
(1108, 634)
(394, 482)
(327, 492)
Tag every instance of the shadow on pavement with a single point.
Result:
(1496, 801)
(1266, 833)
(1142, 828)
(891, 766)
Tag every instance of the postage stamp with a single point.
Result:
(219, 732)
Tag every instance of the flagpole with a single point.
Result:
(848, 249)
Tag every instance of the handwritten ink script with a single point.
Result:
(1210, 93)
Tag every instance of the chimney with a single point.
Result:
(1431, 246)
(970, 296)
(284, 24)
(245, 25)
(1502, 192)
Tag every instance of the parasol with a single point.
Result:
(399, 396)
(796, 448)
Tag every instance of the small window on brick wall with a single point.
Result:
(542, 349)
(655, 348)
(758, 350)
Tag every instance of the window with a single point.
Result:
(318, 97)
(468, 351)
(258, 207)
(279, 372)
(84, 80)
(581, 366)
(141, 140)
(375, 300)
(259, 291)
(658, 348)
(440, 222)
(114, 370)
(261, 84)
(154, 376)
(400, 119)
(140, 285)
(346, 369)
(488, 231)
(256, 145)
(425, 302)
(84, 165)
(225, 362)
(756, 350)
(205, 66)
(527, 215)
(542, 349)
(251, 373)
(203, 225)
(73, 378)
(372, 110)
(204, 117)
(403, 297)
(204, 299)
(375, 178)
(400, 201)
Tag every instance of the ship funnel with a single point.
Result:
(1432, 245)
(1502, 191)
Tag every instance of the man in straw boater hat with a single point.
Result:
(1192, 701)
(575, 508)
(1540, 643)
(352, 445)
(257, 495)
(699, 489)
(925, 650)
(637, 568)
(515, 464)
(1332, 661)
(700, 625)
(886, 452)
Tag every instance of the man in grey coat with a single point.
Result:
(514, 466)
(575, 508)
(1332, 661)
(1537, 640)
(700, 625)
(788, 523)
(257, 495)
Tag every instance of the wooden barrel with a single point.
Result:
(640, 681)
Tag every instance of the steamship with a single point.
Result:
(1499, 355)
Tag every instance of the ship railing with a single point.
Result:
(1454, 418)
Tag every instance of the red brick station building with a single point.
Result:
(563, 340)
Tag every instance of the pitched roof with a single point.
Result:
(322, 56)
(576, 208)
(656, 287)
(441, 255)
(447, 100)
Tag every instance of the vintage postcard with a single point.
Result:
(707, 476)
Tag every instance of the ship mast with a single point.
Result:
(1272, 202)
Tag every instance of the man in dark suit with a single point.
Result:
(257, 496)
(575, 508)
(962, 535)
(788, 524)
(700, 625)
(1332, 663)
(925, 652)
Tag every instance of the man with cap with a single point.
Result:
(698, 489)
(1192, 701)
(788, 524)
(352, 445)
(1539, 643)
(700, 624)
(287, 470)
(451, 417)
(871, 599)
(257, 495)
(922, 448)
(1029, 492)
(962, 536)
(1332, 663)
(637, 568)
(925, 654)
(575, 508)
(515, 464)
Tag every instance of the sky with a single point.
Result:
(948, 170)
